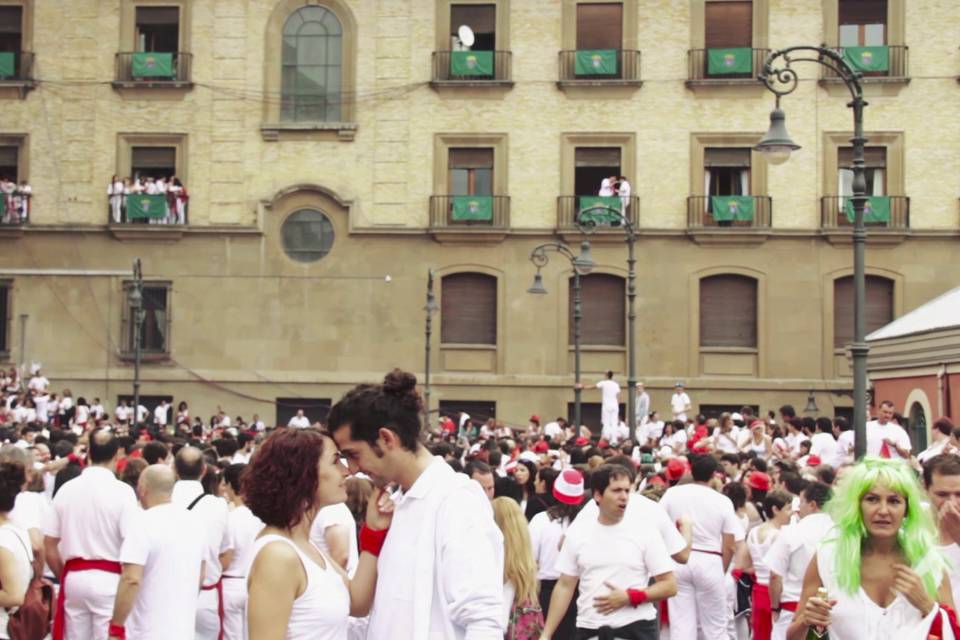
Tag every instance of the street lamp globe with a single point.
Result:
(135, 297)
(537, 286)
(777, 145)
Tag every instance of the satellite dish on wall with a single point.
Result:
(466, 36)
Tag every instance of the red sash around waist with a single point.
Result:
(77, 564)
(218, 585)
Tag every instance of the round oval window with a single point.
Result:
(307, 235)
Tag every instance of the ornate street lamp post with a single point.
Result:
(429, 309)
(135, 299)
(781, 79)
(582, 265)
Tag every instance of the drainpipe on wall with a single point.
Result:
(943, 406)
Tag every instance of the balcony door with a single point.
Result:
(591, 166)
(863, 23)
(11, 29)
(482, 20)
(600, 26)
(158, 29)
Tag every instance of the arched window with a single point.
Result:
(878, 307)
(468, 309)
(728, 311)
(918, 427)
(312, 59)
(603, 310)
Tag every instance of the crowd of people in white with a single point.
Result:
(15, 199)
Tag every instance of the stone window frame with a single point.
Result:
(272, 128)
(22, 142)
(699, 142)
(498, 350)
(895, 169)
(126, 142)
(128, 22)
(627, 143)
(443, 142)
(126, 322)
(442, 22)
(761, 24)
(896, 22)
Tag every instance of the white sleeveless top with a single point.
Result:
(758, 550)
(856, 616)
(322, 610)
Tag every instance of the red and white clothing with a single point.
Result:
(824, 446)
(167, 541)
(701, 599)
(877, 433)
(645, 511)
(242, 530)
(609, 408)
(90, 517)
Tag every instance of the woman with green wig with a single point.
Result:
(880, 568)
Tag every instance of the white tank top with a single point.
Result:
(323, 609)
(758, 550)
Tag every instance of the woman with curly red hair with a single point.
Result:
(295, 590)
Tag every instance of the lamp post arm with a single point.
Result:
(781, 79)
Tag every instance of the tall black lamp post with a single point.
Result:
(582, 265)
(429, 309)
(588, 220)
(135, 299)
(781, 79)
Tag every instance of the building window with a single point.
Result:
(600, 26)
(726, 171)
(728, 311)
(157, 29)
(153, 162)
(312, 49)
(878, 307)
(11, 29)
(729, 24)
(918, 427)
(6, 288)
(155, 327)
(307, 235)
(603, 310)
(468, 313)
(315, 409)
(470, 171)
(10, 162)
(592, 165)
(482, 20)
(863, 23)
(875, 170)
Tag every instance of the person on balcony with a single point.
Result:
(624, 190)
(115, 192)
(7, 188)
(180, 198)
(21, 201)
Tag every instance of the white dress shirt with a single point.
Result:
(213, 512)
(441, 568)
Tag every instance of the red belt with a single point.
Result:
(77, 564)
(789, 606)
(218, 585)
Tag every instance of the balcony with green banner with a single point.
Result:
(471, 209)
(471, 64)
(600, 210)
(876, 210)
(730, 208)
(868, 59)
(734, 61)
(152, 70)
(595, 62)
(146, 207)
(8, 65)
(151, 65)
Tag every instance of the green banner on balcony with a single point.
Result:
(867, 58)
(8, 67)
(604, 210)
(876, 209)
(471, 63)
(475, 208)
(151, 65)
(595, 62)
(145, 207)
(729, 61)
(726, 208)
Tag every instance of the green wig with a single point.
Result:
(917, 538)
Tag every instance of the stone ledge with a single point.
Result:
(273, 131)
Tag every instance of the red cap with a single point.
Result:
(813, 461)
(535, 418)
(581, 441)
(568, 487)
(656, 480)
(675, 469)
(603, 444)
(541, 447)
(758, 480)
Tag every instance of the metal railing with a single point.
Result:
(179, 71)
(698, 66)
(174, 213)
(700, 214)
(15, 208)
(627, 68)
(898, 58)
(442, 214)
(22, 68)
(443, 70)
(569, 207)
(835, 213)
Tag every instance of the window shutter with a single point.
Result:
(471, 158)
(727, 157)
(863, 11)
(468, 313)
(600, 26)
(158, 16)
(9, 156)
(729, 24)
(878, 304)
(481, 18)
(728, 311)
(603, 310)
(597, 157)
(11, 20)
(154, 157)
(875, 157)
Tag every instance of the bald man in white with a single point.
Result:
(162, 562)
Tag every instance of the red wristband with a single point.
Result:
(637, 597)
(117, 631)
(371, 540)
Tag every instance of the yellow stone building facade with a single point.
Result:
(239, 321)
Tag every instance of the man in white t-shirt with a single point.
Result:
(941, 476)
(38, 383)
(791, 552)
(701, 599)
(142, 413)
(97, 410)
(335, 531)
(553, 430)
(823, 444)
(845, 440)
(942, 434)
(160, 413)
(609, 407)
(162, 560)
(613, 558)
(299, 421)
(680, 403)
(885, 438)
(123, 413)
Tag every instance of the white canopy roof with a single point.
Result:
(942, 312)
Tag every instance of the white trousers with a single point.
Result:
(701, 600)
(115, 204)
(88, 605)
(610, 419)
(208, 620)
(234, 605)
(779, 631)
